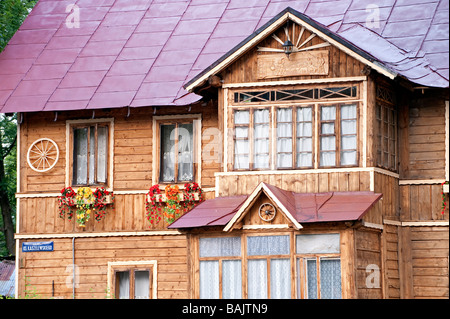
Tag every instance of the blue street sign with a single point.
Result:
(37, 246)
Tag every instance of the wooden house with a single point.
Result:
(317, 132)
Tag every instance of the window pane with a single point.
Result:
(348, 111)
(257, 278)
(185, 152)
(80, 148)
(311, 278)
(348, 127)
(304, 144)
(280, 279)
(284, 160)
(318, 244)
(327, 128)
(304, 159)
(348, 158)
(123, 284)
(241, 132)
(330, 279)
(348, 142)
(327, 159)
(220, 247)
(304, 129)
(92, 152)
(231, 279)
(141, 284)
(327, 143)
(102, 150)
(328, 113)
(304, 114)
(267, 245)
(167, 173)
(241, 117)
(209, 279)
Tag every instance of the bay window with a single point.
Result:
(295, 129)
(262, 266)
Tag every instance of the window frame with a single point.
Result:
(298, 275)
(132, 267)
(70, 126)
(196, 120)
(385, 104)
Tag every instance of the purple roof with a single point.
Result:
(303, 207)
(141, 52)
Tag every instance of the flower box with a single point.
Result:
(163, 197)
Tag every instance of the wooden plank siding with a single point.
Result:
(391, 264)
(132, 167)
(91, 259)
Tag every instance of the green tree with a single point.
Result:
(12, 15)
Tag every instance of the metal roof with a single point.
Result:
(141, 52)
(302, 207)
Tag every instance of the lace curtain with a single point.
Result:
(261, 131)
(141, 284)
(241, 145)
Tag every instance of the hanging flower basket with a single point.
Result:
(85, 202)
(173, 203)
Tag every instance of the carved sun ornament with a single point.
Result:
(43, 155)
(267, 212)
(295, 39)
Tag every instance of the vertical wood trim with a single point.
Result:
(405, 263)
(273, 138)
(447, 137)
(225, 130)
(316, 135)
(67, 154)
(348, 264)
(154, 151)
(364, 125)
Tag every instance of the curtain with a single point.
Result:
(220, 247)
(257, 278)
(241, 145)
(348, 134)
(330, 279)
(141, 284)
(92, 152)
(267, 245)
(328, 142)
(280, 279)
(231, 279)
(102, 150)
(185, 152)
(167, 153)
(304, 137)
(209, 279)
(261, 122)
(284, 137)
(80, 148)
(124, 284)
(311, 278)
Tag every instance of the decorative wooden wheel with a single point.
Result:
(267, 212)
(43, 155)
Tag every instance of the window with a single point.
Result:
(252, 139)
(132, 280)
(90, 159)
(220, 266)
(265, 268)
(296, 128)
(386, 127)
(177, 152)
(319, 266)
(338, 135)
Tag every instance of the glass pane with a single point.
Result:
(311, 278)
(167, 173)
(92, 155)
(261, 116)
(267, 245)
(318, 244)
(261, 161)
(328, 113)
(330, 279)
(304, 159)
(257, 278)
(122, 285)
(221, 246)
(327, 128)
(304, 144)
(241, 162)
(280, 279)
(284, 115)
(304, 129)
(209, 279)
(284, 145)
(304, 114)
(185, 152)
(241, 117)
(80, 148)
(241, 132)
(284, 130)
(348, 111)
(348, 127)
(284, 160)
(327, 159)
(348, 142)
(348, 158)
(327, 143)
(141, 284)
(231, 279)
(102, 151)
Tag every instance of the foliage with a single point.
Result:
(12, 15)
(444, 202)
(173, 209)
(86, 202)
